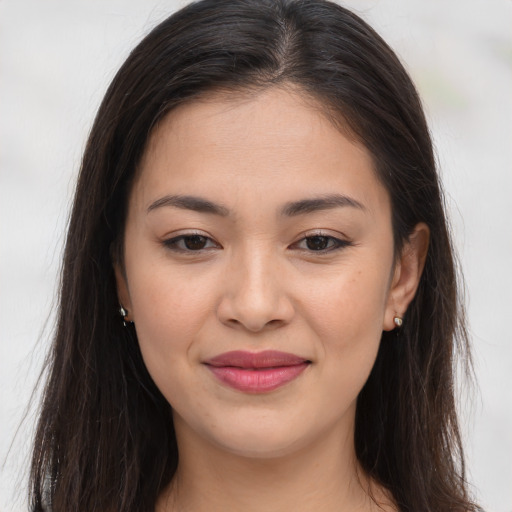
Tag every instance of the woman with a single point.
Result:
(258, 307)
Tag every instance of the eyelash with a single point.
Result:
(172, 243)
(336, 243)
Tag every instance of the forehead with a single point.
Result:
(281, 113)
(276, 140)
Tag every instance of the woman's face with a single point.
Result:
(258, 271)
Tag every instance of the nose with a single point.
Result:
(254, 293)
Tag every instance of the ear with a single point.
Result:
(123, 293)
(407, 274)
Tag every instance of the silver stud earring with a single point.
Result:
(398, 321)
(124, 313)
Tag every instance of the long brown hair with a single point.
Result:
(105, 438)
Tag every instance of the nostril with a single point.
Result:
(253, 311)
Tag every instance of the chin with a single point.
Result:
(261, 447)
(260, 439)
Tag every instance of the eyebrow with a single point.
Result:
(291, 209)
(316, 204)
(197, 204)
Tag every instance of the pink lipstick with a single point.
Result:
(256, 372)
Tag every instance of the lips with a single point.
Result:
(256, 372)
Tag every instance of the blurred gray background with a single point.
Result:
(56, 59)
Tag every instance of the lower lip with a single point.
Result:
(257, 380)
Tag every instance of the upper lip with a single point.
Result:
(264, 359)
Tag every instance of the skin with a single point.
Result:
(258, 284)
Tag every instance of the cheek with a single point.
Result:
(169, 311)
(352, 304)
(348, 320)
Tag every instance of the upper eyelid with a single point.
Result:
(183, 234)
(322, 232)
(188, 232)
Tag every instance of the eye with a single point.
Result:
(321, 243)
(193, 242)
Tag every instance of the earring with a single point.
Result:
(398, 321)
(124, 313)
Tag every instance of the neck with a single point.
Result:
(323, 476)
